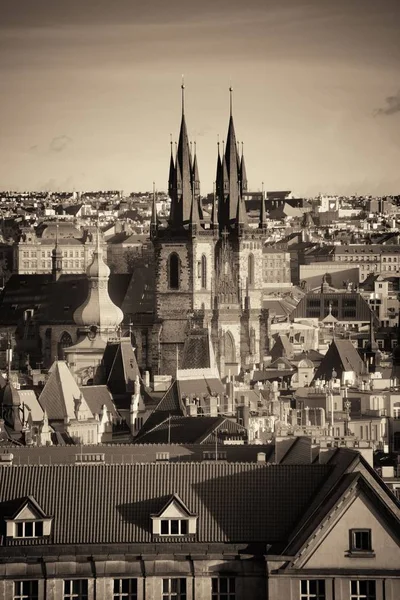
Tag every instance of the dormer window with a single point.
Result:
(174, 527)
(174, 519)
(25, 520)
(28, 529)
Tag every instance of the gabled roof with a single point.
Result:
(12, 508)
(175, 499)
(98, 396)
(341, 356)
(235, 502)
(61, 394)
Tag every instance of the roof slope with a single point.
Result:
(60, 394)
(235, 502)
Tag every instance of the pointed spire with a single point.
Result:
(181, 196)
(230, 100)
(262, 222)
(195, 173)
(241, 216)
(171, 171)
(56, 259)
(243, 174)
(214, 214)
(232, 163)
(183, 95)
(154, 220)
(194, 214)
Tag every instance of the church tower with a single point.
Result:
(184, 256)
(208, 270)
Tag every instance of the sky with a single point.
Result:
(90, 92)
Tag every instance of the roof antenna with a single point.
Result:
(170, 138)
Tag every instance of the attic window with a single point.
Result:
(28, 522)
(174, 526)
(175, 519)
(28, 529)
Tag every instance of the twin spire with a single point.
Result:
(229, 211)
(184, 181)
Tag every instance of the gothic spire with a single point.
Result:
(232, 166)
(262, 222)
(243, 174)
(195, 172)
(214, 214)
(241, 215)
(171, 172)
(181, 197)
(154, 219)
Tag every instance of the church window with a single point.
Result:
(251, 269)
(203, 272)
(65, 342)
(173, 271)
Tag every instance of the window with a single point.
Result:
(174, 526)
(360, 540)
(223, 588)
(28, 529)
(173, 271)
(174, 589)
(125, 589)
(363, 590)
(26, 590)
(251, 269)
(75, 589)
(312, 589)
(203, 272)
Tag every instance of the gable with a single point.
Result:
(28, 513)
(332, 550)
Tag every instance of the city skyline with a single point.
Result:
(90, 95)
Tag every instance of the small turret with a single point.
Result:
(56, 259)
(154, 220)
(263, 221)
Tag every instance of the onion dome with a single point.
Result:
(98, 310)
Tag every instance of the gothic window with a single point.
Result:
(173, 271)
(65, 342)
(203, 272)
(230, 352)
(251, 269)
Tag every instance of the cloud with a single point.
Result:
(392, 105)
(59, 143)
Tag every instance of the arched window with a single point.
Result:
(65, 342)
(173, 271)
(203, 272)
(251, 269)
(230, 350)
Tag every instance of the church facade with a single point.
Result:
(209, 272)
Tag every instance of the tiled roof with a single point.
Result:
(137, 453)
(120, 366)
(191, 430)
(235, 502)
(196, 353)
(60, 393)
(96, 397)
(55, 302)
